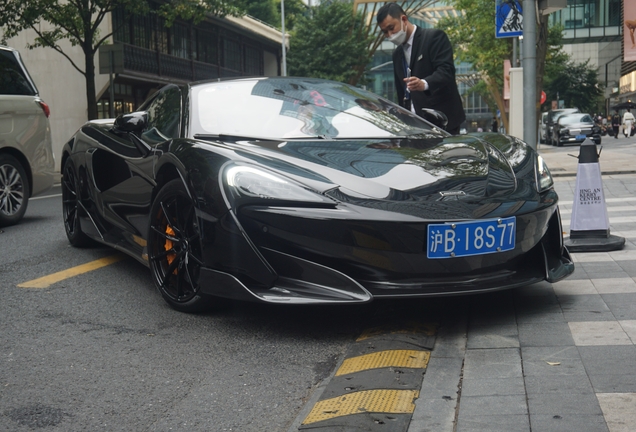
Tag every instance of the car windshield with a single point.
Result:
(559, 113)
(297, 108)
(575, 118)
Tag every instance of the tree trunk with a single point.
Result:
(89, 75)
(499, 100)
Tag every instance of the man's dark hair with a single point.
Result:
(393, 9)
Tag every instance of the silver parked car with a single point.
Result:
(26, 156)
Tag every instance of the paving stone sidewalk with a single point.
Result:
(547, 357)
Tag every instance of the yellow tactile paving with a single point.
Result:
(427, 329)
(383, 359)
(377, 401)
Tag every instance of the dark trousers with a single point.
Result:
(615, 129)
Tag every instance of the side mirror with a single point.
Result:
(132, 122)
(438, 118)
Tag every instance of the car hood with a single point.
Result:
(460, 167)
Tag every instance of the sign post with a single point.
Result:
(111, 61)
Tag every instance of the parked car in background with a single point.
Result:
(26, 156)
(543, 126)
(575, 128)
(552, 117)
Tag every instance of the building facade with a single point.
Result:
(153, 55)
(593, 30)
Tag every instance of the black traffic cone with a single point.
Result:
(589, 226)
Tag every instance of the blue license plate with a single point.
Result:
(581, 137)
(461, 239)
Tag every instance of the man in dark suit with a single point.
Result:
(423, 66)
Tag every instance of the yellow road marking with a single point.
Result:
(377, 401)
(46, 281)
(382, 359)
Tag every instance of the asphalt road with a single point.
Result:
(102, 351)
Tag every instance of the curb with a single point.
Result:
(375, 384)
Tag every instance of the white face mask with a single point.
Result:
(398, 38)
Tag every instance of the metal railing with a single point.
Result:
(162, 65)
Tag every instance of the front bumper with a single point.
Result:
(314, 259)
(572, 139)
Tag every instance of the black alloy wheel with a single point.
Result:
(71, 206)
(174, 249)
(14, 190)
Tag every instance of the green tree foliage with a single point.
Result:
(473, 37)
(294, 9)
(264, 10)
(268, 11)
(577, 85)
(331, 43)
(78, 21)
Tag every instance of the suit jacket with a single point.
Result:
(431, 60)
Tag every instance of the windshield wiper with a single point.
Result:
(232, 138)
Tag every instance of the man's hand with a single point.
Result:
(414, 84)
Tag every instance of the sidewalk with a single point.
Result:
(548, 357)
(617, 157)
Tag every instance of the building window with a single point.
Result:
(253, 61)
(231, 54)
(580, 14)
(160, 32)
(206, 42)
(206, 46)
(180, 40)
(141, 31)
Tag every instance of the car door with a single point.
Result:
(123, 172)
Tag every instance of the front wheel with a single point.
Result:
(14, 190)
(174, 249)
(71, 206)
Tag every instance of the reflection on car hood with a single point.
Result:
(398, 169)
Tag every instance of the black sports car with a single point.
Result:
(295, 190)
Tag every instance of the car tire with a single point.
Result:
(175, 250)
(14, 190)
(71, 206)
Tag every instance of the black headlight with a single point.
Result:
(564, 132)
(543, 176)
(252, 184)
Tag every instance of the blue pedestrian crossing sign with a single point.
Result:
(509, 19)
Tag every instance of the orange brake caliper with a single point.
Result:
(168, 246)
